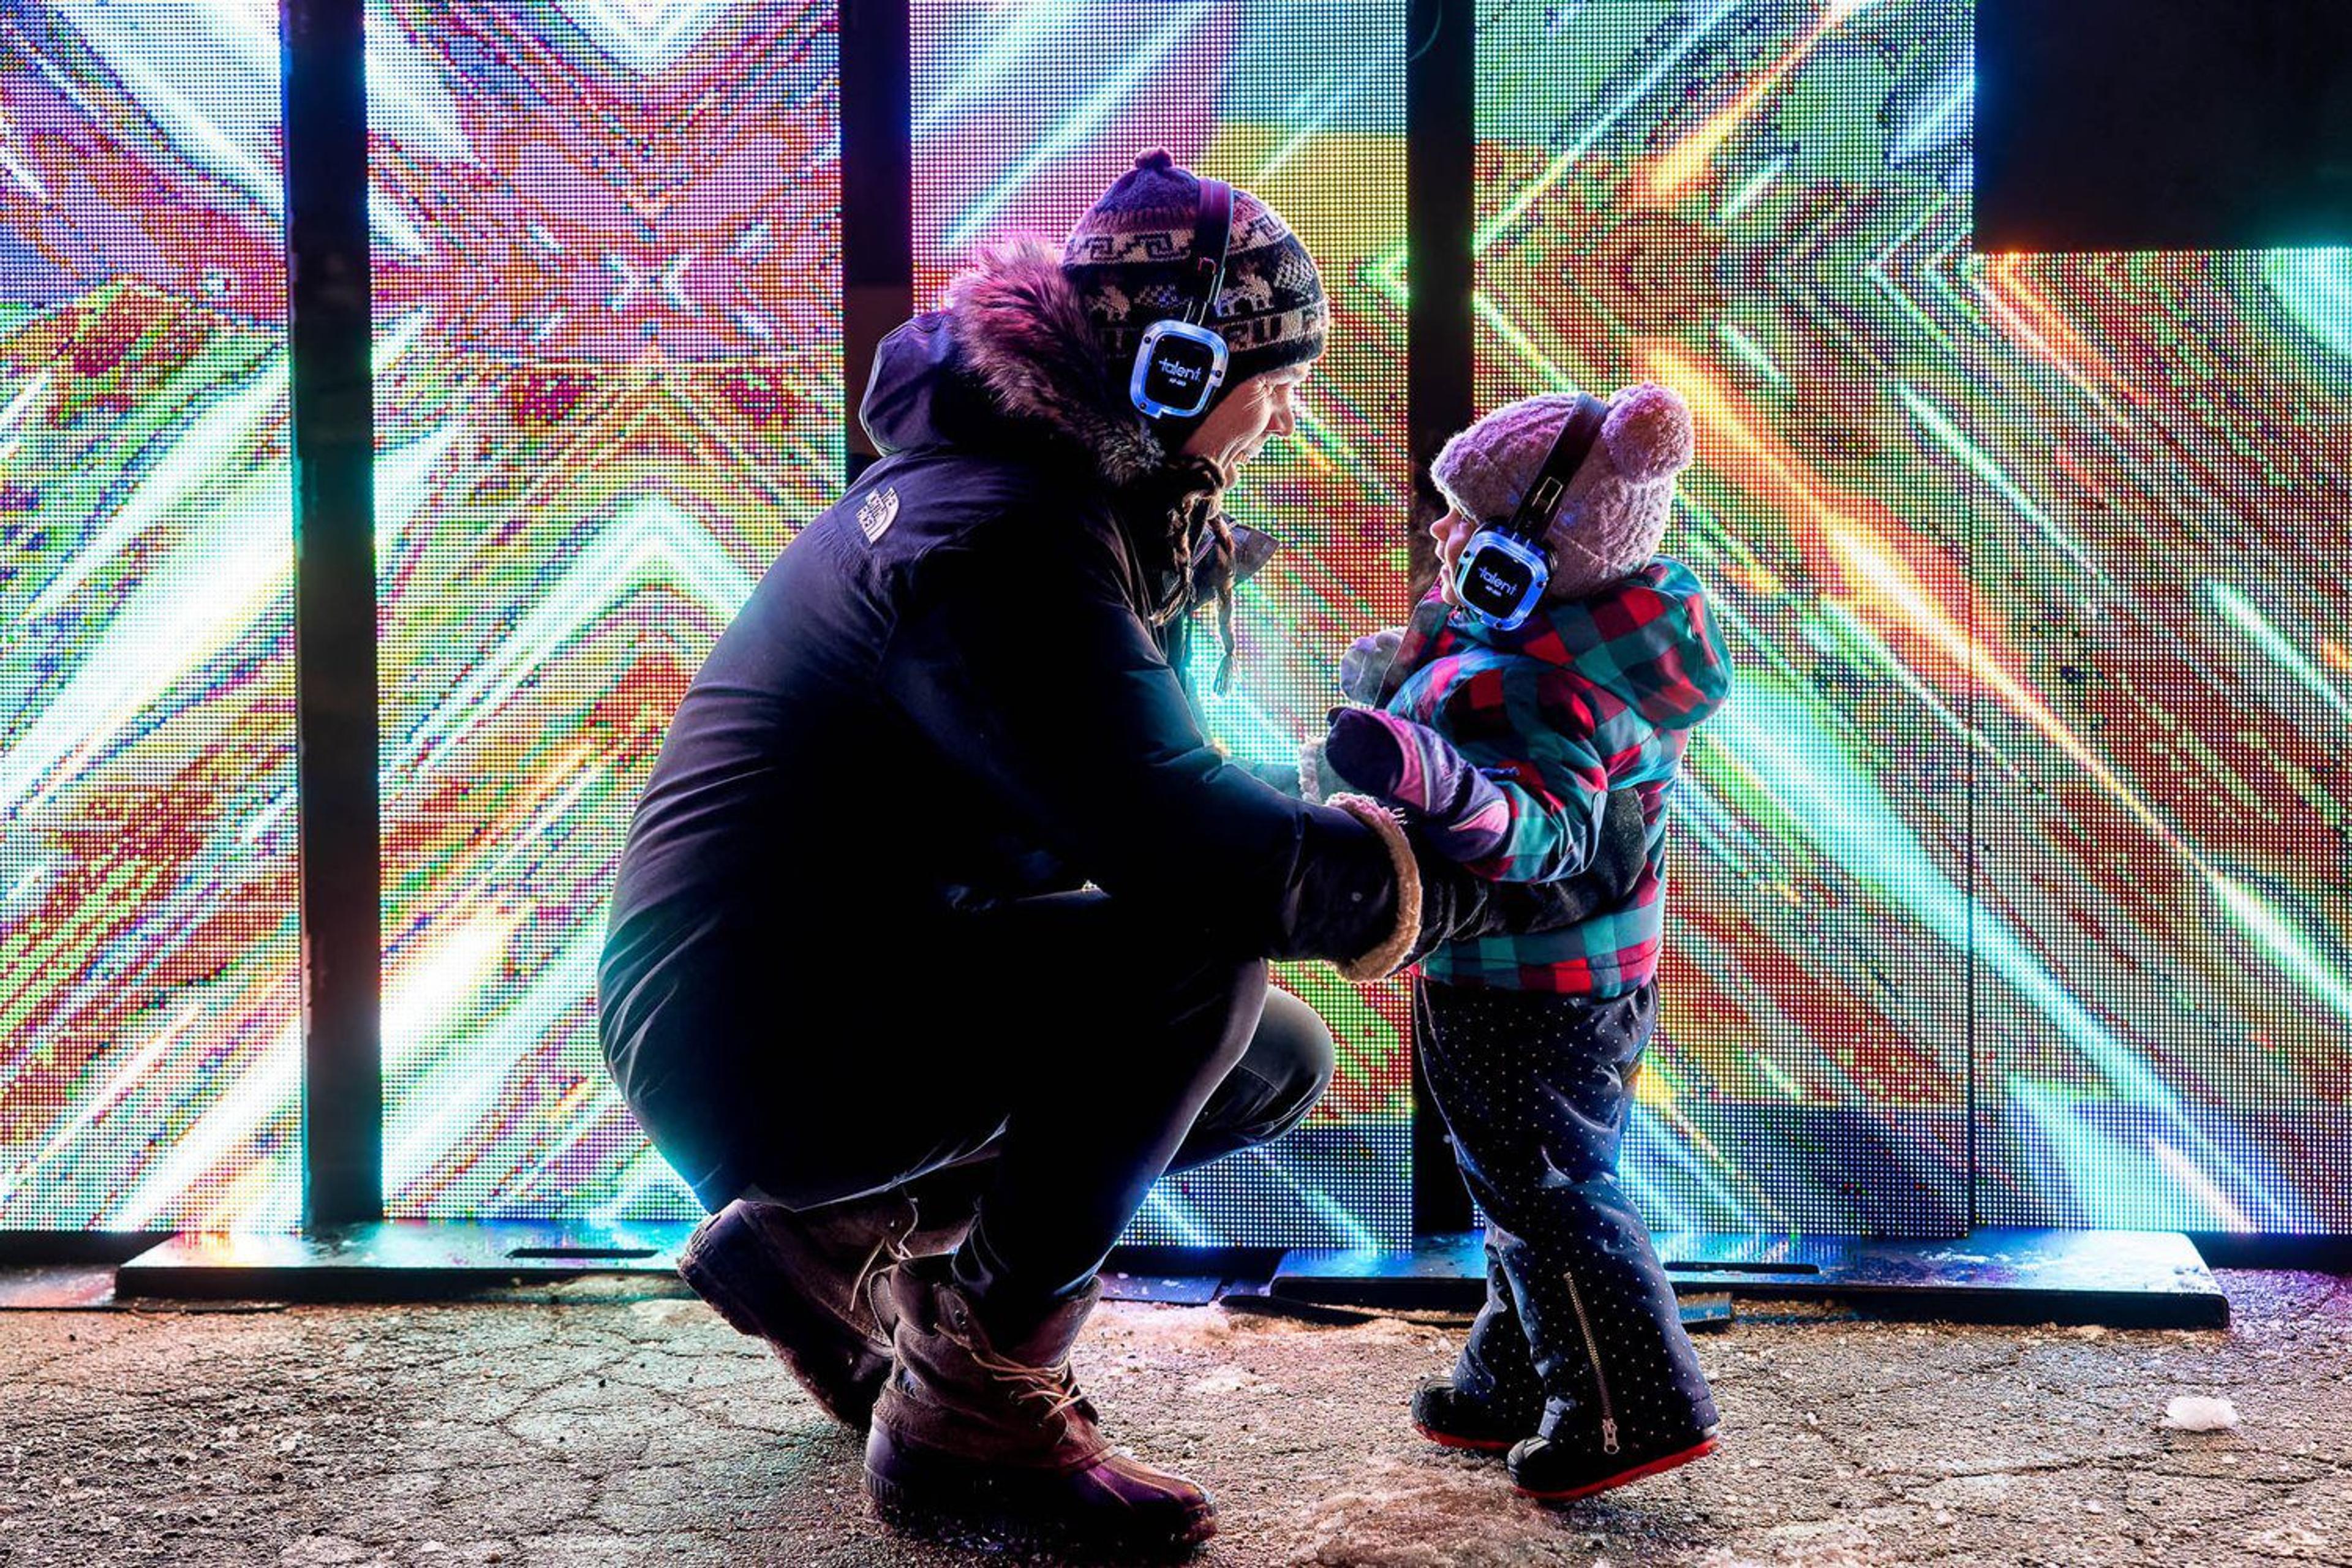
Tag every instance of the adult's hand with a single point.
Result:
(1451, 904)
(1447, 904)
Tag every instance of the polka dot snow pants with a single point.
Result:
(1536, 1090)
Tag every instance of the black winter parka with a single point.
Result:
(953, 688)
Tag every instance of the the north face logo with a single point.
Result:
(876, 512)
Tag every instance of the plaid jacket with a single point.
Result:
(1581, 698)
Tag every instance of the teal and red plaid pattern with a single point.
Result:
(1583, 697)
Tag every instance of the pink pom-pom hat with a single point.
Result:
(1613, 517)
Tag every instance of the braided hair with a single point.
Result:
(1185, 494)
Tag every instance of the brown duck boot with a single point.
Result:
(985, 1445)
(801, 1279)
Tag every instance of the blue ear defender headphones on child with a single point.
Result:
(1180, 362)
(1503, 573)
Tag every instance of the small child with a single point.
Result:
(1578, 1364)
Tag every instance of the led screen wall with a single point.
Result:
(608, 389)
(2164, 954)
(149, 1062)
(2011, 887)
(1023, 116)
(2031, 567)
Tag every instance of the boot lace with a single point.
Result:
(1055, 1385)
(890, 1247)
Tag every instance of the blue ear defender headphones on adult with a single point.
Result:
(1180, 362)
(1503, 571)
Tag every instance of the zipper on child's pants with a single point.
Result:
(1599, 1373)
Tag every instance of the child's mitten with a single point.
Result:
(1366, 664)
(1458, 809)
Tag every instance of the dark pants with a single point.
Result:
(1058, 1055)
(1536, 1090)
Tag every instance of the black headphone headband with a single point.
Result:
(1211, 232)
(1537, 508)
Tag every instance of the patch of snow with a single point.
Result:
(1462, 1517)
(1231, 1379)
(2199, 1413)
(670, 1311)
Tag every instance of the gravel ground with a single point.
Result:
(598, 1428)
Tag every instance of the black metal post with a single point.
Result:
(324, 60)
(1440, 214)
(877, 202)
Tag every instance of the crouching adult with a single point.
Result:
(942, 931)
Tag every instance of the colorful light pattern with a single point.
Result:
(2030, 567)
(149, 1059)
(2031, 802)
(608, 389)
(1022, 115)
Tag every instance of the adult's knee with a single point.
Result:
(1198, 1016)
(1236, 992)
(1282, 1071)
(1292, 1056)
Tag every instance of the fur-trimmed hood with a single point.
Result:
(1011, 342)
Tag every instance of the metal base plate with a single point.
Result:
(56, 1288)
(399, 1259)
(2121, 1279)
(1167, 1290)
(406, 1260)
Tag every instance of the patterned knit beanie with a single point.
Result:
(1130, 258)
(1613, 516)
